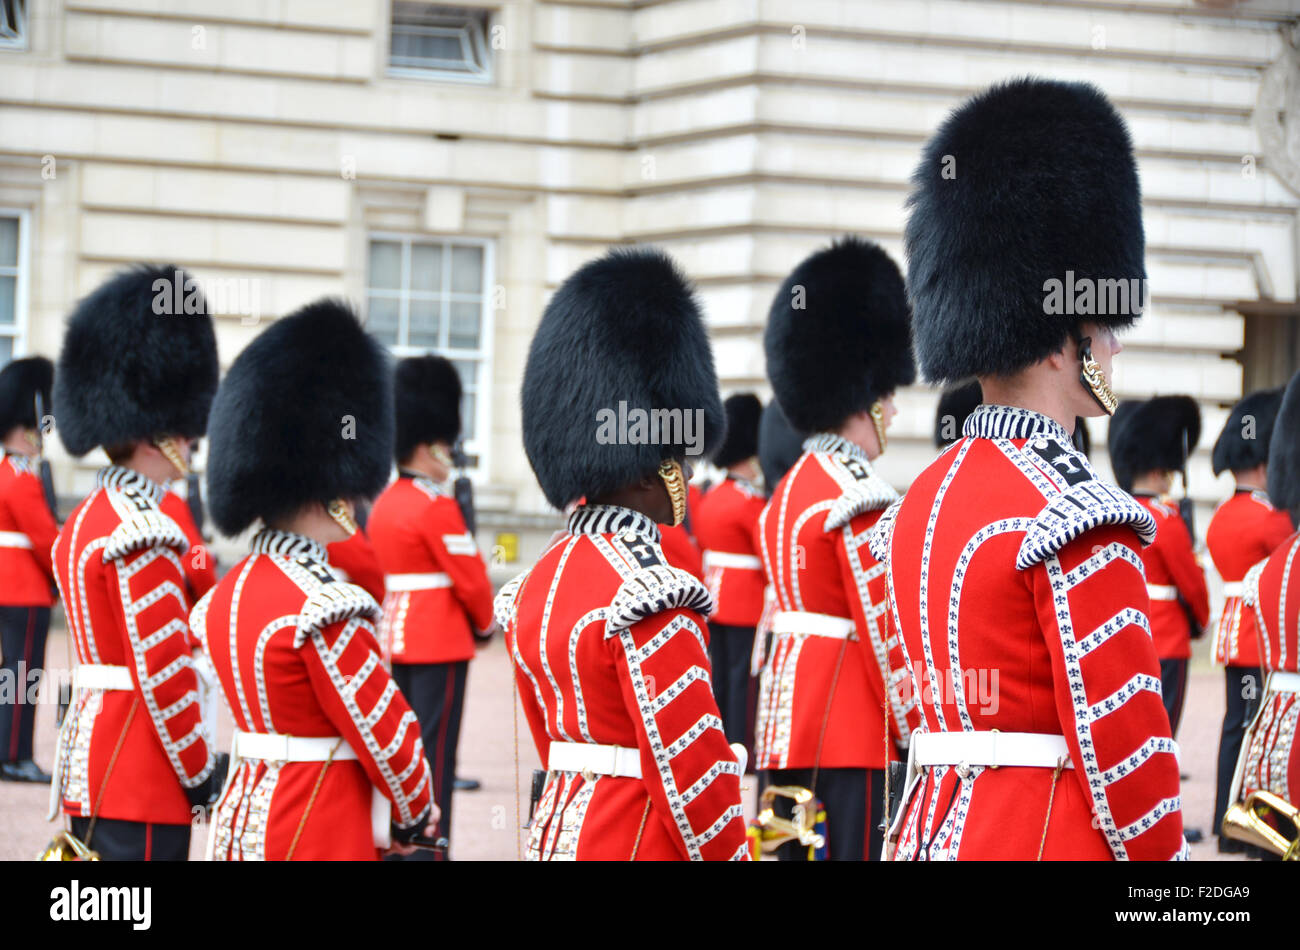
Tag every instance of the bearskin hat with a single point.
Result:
(743, 411)
(1027, 183)
(619, 377)
(838, 335)
(20, 381)
(1284, 453)
(139, 360)
(426, 393)
(304, 414)
(955, 404)
(779, 445)
(1244, 441)
(1152, 435)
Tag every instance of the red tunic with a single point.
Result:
(354, 560)
(842, 694)
(1172, 568)
(609, 647)
(726, 525)
(437, 582)
(27, 532)
(1015, 575)
(1270, 756)
(118, 564)
(1245, 529)
(200, 569)
(295, 652)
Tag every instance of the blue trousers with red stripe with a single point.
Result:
(436, 694)
(23, 631)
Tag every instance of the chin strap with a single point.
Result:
(878, 420)
(1093, 379)
(339, 512)
(670, 470)
(171, 451)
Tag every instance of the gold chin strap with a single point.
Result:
(1094, 379)
(172, 452)
(670, 470)
(878, 418)
(442, 455)
(339, 512)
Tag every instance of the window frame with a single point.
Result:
(434, 74)
(22, 274)
(480, 445)
(18, 43)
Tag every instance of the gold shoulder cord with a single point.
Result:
(670, 470)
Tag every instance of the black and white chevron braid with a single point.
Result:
(1077, 510)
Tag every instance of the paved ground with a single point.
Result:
(486, 822)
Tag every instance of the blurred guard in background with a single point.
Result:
(1244, 530)
(608, 639)
(27, 532)
(726, 524)
(830, 713)
(439, 593)
(959, 401)
(327, 758)
(134, 759)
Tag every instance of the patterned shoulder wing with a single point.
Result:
(1083, 506)
(503, 605)
(861, 489)
(143, 529)
(1250, 584)
(881, 535)
(330, 603)
(653, 587)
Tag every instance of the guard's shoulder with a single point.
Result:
(329, 603)
(1250, 583)
(1087, 504)
(1261, 498)
(652, 587)
(881, 535)
(22, 464)
(504, 605)
(142, 526)
(861, 489)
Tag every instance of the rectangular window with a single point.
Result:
(434, 41)
(431, 296)
(13, 24)
(13, 283)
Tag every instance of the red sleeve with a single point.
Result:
(1174, 546)
(30, 511)
(147, 587)
(456, 552)
(1091, 601)
(362, 701)
(691, 773)
(356, 557)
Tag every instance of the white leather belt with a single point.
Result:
(746, 562)
(1034, 749)
(818, 625)
(398, 583)
(1284, 682)
(101, 676)
(1162, 592)
(598, 759)
(272, 747)
(15, 539)
(1234, 589)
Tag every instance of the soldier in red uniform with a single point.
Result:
(1149, 443)
(609, 641)
(1015, 573)
(327, 761)
(134, 759)
(726, 523)
(439, 594)
(27, 532)
(1244, 530)
(354, 560)
(200, 568)
(680, 544)
(1270, 755)
(830, 714)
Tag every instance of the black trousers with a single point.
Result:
(729, 653)
(1173, 688)
(436, 694)
(23, 631)
(855, 809)
(1244, 685)
(117, 840)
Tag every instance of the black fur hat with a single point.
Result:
(1148, 435)
(305, 414)
(1029, 182)
(1284, 453)
(20, 381)
(838, 335)
(955, 404)
(427, 397)
(779, 445)
(743, 411)
(621, 340)
(1254, 416)
(139, 360)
